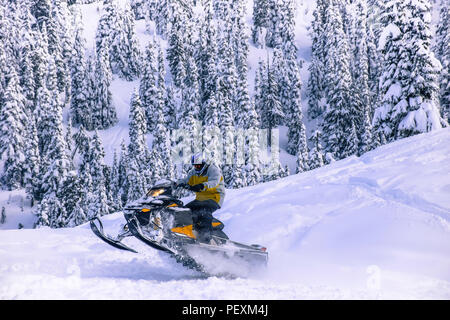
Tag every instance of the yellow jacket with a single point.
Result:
(212, 179)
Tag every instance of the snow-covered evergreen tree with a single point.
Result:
(138, 153)
(212, 137)
(409, 81)
(162, 16)
(100, 203)
(103, 112)
(161, 149)
(260, 21)
(316, 90)
(3, 216)
(316, 156)
(442, 51)
(122, 179)
(342, 110)
(80, 104)
(41, 10)
(176, 51)
(126, 55)
(293, 105)
(274, 22)
(207, 60)
(148, 89)
(32, 163)
(13, 133)
(137, 130)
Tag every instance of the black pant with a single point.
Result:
(202, 217)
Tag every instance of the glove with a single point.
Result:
(180, 185)
(197, 187)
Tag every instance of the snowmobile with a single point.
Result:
(160, 220)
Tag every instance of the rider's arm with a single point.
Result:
(185, 180)
(214, 177)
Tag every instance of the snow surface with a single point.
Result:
(360, 228)
(374, 227)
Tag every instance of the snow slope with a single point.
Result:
(377, 226)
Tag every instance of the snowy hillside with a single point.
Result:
(377, 226)
(122, 90)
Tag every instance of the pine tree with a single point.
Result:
(71, 195)
(316, 157)
(161, 148)
(176, 51)
(138, 153)
(25, 72)
(253, 164)
(126, 54)
(238, 175)
(148, 90)
(100, 203)
(114, 178)
(341, 113)
(108, 29)
(293, 106)
(138, 8)
(409, 82)
(79, 76)
(316, 90)
(3, 216)
(39, 60)
(104, 113)
(51, 212)
(211, 134)
(58, 43)
(55, 160)
(77, 216)
(162, 17)
(89, 118)
(83, 147)
(273, 113)
(360, 70)
(122, 183)
(367, 142)
(207, 58)
(259, 90)
(170, 109)
(12, 133)
(260, 21)
(274, 21)
(41, 11)
(442, 51)
(190, 91)
(136, 182)
(137, 130)
(32, 161)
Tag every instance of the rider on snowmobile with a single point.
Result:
(206, 180)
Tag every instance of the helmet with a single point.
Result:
(198, 160)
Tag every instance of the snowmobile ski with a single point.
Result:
(98, 231)
(135, 228)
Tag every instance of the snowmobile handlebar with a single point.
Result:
(181, 185)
